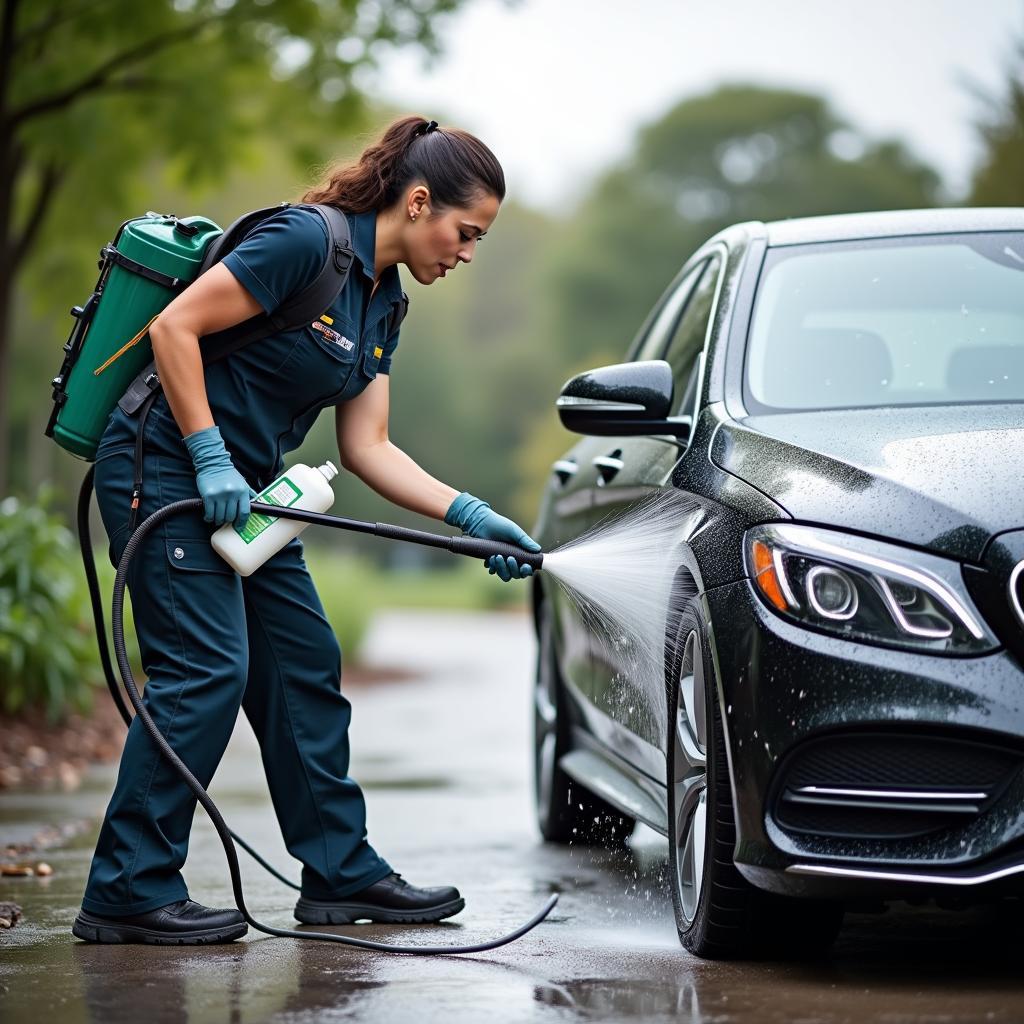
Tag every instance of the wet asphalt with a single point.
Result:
(443, 753)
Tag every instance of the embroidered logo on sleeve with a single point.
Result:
(332, 335)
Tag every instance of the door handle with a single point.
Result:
(565, 470)
(607, 466)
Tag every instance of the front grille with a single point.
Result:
(876, 786)
(865, 823)
(901, 762)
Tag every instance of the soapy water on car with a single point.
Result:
(620, 575)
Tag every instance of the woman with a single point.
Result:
(211, 641)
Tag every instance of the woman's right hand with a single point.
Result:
(476, 518)
(224, 491)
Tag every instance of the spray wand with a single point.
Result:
(474, 547)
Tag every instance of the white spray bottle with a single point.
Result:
(246, 549)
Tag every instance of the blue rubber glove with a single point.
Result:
(223, 489)
(475, 517)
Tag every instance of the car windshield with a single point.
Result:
(926, 320)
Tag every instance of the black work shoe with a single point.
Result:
(184, 923)
(392, 900)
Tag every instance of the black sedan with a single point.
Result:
(842, 717)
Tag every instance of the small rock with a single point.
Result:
(36, 756)
(15, 870)
(10, 915)
(43, 869)
(69, 778)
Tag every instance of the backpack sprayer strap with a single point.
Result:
(109, 252)
(305, 305)
(133, 513)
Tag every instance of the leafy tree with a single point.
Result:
(95, 93)
(999, 178)
(738, 153)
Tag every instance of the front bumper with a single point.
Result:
(785, 691)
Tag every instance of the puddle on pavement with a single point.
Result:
(623, 999)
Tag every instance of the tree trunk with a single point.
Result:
(6, 320)
(10, 165)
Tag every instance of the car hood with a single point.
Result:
(944, 478)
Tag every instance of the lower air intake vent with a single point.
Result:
(873, 786)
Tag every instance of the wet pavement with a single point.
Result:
(444, 759)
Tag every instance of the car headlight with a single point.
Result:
(865, 590)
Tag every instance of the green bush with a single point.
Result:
(344, 586)
(48, 655)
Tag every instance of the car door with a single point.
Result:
(628, 470)
(568, 505)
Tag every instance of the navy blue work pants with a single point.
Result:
(211, 641)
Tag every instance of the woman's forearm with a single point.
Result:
(397, 477)
(180, 366)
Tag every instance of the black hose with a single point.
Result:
(85, 543)
(226, 836)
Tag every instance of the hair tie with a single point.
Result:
(431, 127)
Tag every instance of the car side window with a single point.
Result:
(653, 344)
(687, 344)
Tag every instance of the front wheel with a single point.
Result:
(719, 914)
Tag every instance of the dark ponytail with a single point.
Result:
(456, 166)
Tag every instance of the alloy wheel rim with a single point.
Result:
(545, 718)
(689, 791)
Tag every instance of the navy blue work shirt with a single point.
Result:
(267, 395)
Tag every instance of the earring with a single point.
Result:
(412, 216)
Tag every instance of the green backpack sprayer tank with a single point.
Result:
(151, 259)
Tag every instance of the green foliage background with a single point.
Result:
(47, 650)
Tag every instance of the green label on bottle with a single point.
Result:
(281, 492)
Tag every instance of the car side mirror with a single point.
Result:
(620, 400)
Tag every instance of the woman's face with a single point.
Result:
(438, 240)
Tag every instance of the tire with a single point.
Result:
(719, 914)
(566, 811)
